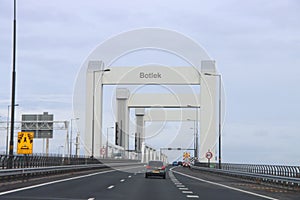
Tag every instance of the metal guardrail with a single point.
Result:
(12, 174)
(275, 170)
(41, 160)
(280, 175)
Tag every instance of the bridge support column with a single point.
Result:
(140, 130)
(122, 95)
(93, 118)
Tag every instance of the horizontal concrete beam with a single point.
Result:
(171, 115)
(163, 100)
(151, 74)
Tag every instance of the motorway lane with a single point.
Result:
(129, 185)
(105, 185)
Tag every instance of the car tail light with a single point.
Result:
(148, 167)
(163, 167)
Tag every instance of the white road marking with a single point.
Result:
(122, 180)
(192, 196)
(225, 186)
(91, 198)
(129, 176)
(52, 182)
(111, 187)
(183, 188)
(180, 185)
(59, 181)
(187, 192)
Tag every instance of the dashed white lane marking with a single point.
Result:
(180, 186)
(187, 192)
(225, 186)
(178, 183)
(122, 180)
(111, 187)
(183, 188)
(129, 176)
(91, 198)
(192, 196)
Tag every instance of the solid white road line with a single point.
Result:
(225, 186)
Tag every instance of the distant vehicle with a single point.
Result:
(179, 163)
(175, 163)
(118, 156)
(155, 168)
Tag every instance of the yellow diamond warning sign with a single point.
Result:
(25, 142)
(186, 155)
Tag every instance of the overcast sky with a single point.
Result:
(256, 45)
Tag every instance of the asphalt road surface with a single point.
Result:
(181, 183)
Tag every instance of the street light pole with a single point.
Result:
(220, 117)
(13, 93)
(7, 128)
(106, 150)
(72, 136)
(196, 132)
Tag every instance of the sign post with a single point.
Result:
(208, 155)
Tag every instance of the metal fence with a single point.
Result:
(274, 170)
(40, 160)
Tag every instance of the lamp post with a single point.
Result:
(220, 122)
(7, 128)
(106, 150)
(93, 106)
(72, 136)
(196, 131)
(13, 93)
(194, 128)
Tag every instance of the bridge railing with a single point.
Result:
(41, 160)
(275, 170)
(288, 176)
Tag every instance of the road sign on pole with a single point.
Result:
(208, 155)
(186, 155)
(25, 142)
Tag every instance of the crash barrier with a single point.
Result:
(41, 160)
(26, 173)
(275, 174)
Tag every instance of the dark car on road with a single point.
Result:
(175, 163)
(155, 168)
